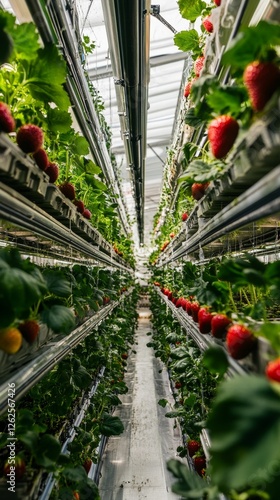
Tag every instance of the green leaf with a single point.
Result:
(187, 40)
(199, 171)
(75, 474)
(81, 377)
(58, 121)
(26, 41)
(189, 484)
(227, 100)
(91, 168)
(96, 183)
(192, 120)
(244, 427)
(189, 150)
(271, 332)
(191, 9)
(56, 283)
(80, 146)
(201, 87)
(47, 450)
(111, 425)
(215, 360)
(48, 93)
(59, 318)
(163, 403)
(251, 44)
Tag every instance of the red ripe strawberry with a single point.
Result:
(68, 190)
(193, 446)
(170, 295)
(188, 87)
(261, 80)
(204, 320)
(240, 341)
(219, 325)
(198, 190)
(198, 65)
(183, 303)
(189, 307)
(178, 384)
(29, 330)
(199, 464)
(208, 25)
(217, 2)
(171, 235)
(7, 123)
(16, 465)
(195, 309)
(76, 495)
(80, 206)
(87, 465)
(184, 216)
(124, 355)
(272, 370)
(30, 138)
(41, 159)
(222, 132)
(52, 171)
(174, 300)
(86, 213)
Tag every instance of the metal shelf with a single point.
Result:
(203, 341)
(17, 209)
(264, 199)
(51, 354)
(50, 481)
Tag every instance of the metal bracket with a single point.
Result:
(155, 11)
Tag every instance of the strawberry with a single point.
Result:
(184, 216)
(30, 138)
(178, 302)
(170, 295)
(272, 370)
(80, 206)
(16, 465)
(10, 340)
(76, 495)
(193, 446)
(239, 341)
(204, 320)
(188, 307)
(174, 300)
(188, 87)
(219, 325)
(41, 158)
(207, 24)
(171, 235)
(52, 171)
(222, 132)
(261, 80)
(217, 2)
(198, 65)
(87, 465)
(199, 463)
(87, 214)
(29, 330)
(178, 384)
(195, 308)
(68, 190)
(198, 190)
(7, 123)
(124, 355)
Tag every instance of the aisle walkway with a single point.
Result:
(134, 465)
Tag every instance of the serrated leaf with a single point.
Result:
(111, 425)
(244, 425)
(49, 93)
(227, 100)
(75, 474)
(81, 377)
(56, 283)
(26, 40)
(189, 484)
(191, 9)
(91, 168)
(202, 86)
(187, 40)
(58, 121)
(192, 120)
(251, 44)
(59, 318)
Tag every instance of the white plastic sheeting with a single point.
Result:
(134, 465)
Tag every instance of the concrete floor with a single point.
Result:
(134, 464)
